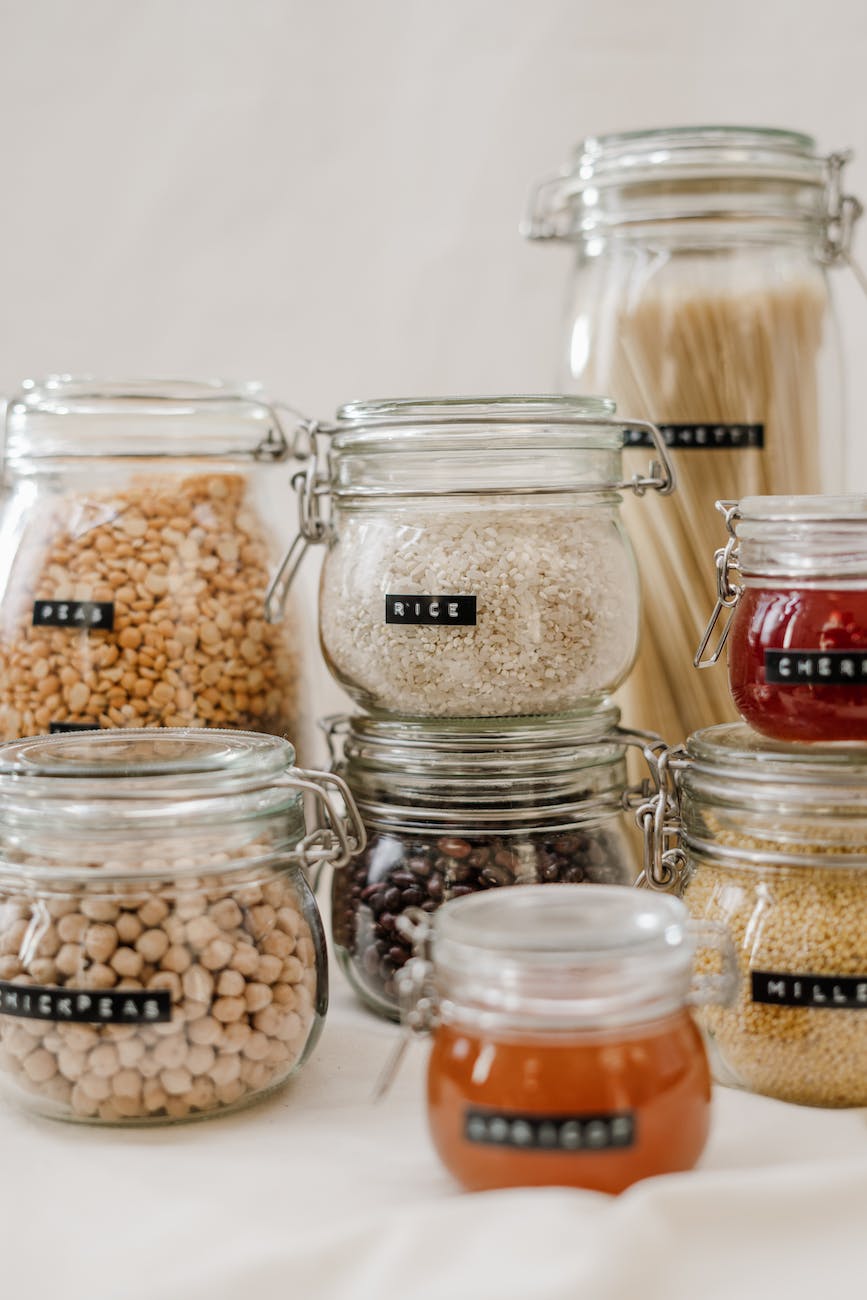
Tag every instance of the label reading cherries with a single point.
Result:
(815, 667)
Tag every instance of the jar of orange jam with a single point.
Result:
(564, 1050)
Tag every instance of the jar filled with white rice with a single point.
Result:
(477, 564)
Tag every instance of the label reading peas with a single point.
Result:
(431, 611)
(86, 1006)
(834, 992)
(500, 1128)
(701, 437)
(815, 667)
(74, 613)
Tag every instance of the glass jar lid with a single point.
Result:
(561, 956)
(478, 772)
(66, 416)
(808, 536)
(682, 173)
(107, 783)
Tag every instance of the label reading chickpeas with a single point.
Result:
(500, 1128)
(86, 1006)
(431, 611)
(842, 993)
(74, 613)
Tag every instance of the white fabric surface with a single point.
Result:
(320, 1193)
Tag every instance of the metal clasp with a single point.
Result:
(339, 832)
(660, 475)
(727, 561)
(658, 818)
(311, 486)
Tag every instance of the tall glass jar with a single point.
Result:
(700, 299)
(770, 839)
(137, 537)
(455, 808)
(792, 585)
(564, 1051)
(161, 953)
(476, 564)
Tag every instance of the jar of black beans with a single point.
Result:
(399, 871)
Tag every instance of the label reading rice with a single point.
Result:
(86, 1006)
(815, 667)
(74, 613)
(703, 437)
(431, 611)
(499, 1128)
(834, 992)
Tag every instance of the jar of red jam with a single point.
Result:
(793, 577)
(564, 1050)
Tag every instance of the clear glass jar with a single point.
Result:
(161, 954)
(476, 804)
(137, 539)
(773, 844)
(476, 562)
(564, 1051)
(699, 298)
(796, 615)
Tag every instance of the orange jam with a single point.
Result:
(591, 1109)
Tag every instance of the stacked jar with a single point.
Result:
(479, 599)
(764, 826)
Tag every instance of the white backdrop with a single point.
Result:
(326, 195)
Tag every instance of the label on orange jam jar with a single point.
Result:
(598, 1132)
(815, 667)
(834, 992)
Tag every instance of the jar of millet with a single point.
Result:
(141, 522)
(161, 954)
(563, 1047)
(457, 806)
(793, 583)
(771, 840)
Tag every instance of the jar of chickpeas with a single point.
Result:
(161, 954)
(139, 531)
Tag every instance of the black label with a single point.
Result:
(816, 667)
(60, 728)
(834, 992)
(501, 1128)
(701, 437)
(454, 611)
(86, 1006)
(74, 613)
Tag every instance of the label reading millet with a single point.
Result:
(500, 1128)
(74, 613)
(832, 992)
(815, 667)
(86, 1006)
(431, 611)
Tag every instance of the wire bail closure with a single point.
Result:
(658, 818)
(729, 593)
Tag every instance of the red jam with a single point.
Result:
(798, 663)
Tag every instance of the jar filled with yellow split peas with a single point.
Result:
(137, 545)
(770, 839)
(161, 954)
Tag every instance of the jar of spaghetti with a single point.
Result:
(140, 527)
(770, 840)
(476, 565)
(564, 1050)
(461, 806)
(698, 294)
(793, 585)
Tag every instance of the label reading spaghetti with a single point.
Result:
(701, 437)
